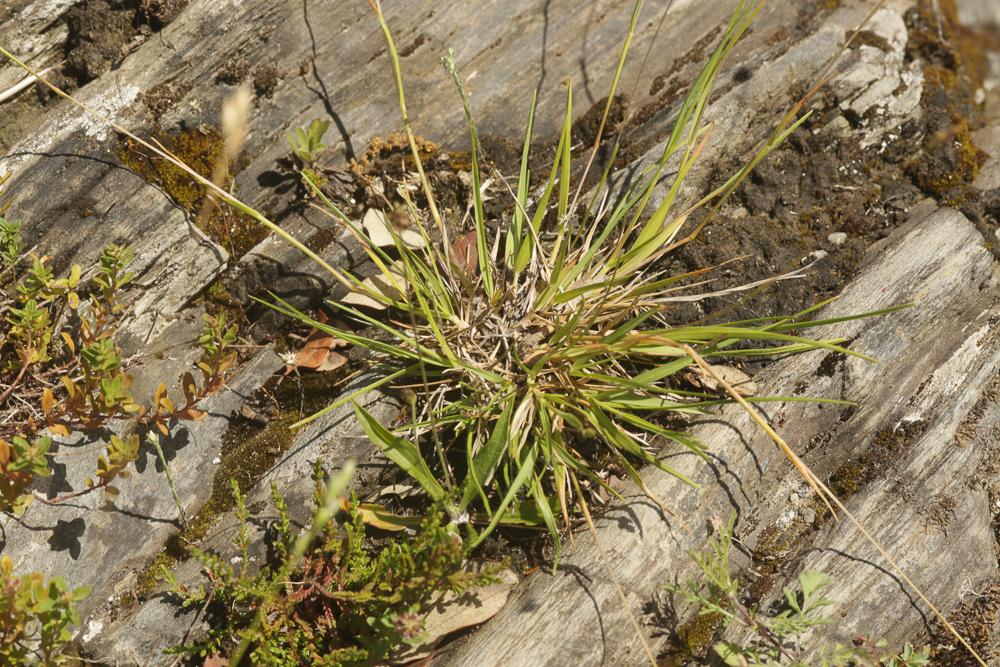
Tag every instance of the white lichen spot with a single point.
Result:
(93, 629)
(108, 107)
(785, 520)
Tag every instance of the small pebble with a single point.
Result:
(808, 515)
(837, 238)
(818, 254)
(216, 461)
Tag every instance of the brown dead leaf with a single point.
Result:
(318, 353)
(464, 255)
(215, 661)
(451, 613)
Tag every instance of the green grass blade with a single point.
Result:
(401, 452)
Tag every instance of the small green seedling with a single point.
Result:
(307, 143)
(777, 639)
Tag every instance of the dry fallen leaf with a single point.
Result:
(379, 284)
(464, 255)
(451, 613)
(376, 223)
(318, 353)
(215, 661)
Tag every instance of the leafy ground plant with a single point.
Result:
(63, 373)
(777, 639)
(534, 347)
(35, 617)
(334, 600)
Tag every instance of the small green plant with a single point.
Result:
(63, 373)
(307, 142)
(35, 617)
(11, 246)
(343, 603)
(777, 639)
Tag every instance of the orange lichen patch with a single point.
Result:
(392, 148)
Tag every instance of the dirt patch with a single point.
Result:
(158, 13)
(99, 32)
(820, 201)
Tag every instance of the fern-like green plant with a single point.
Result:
(777, 639)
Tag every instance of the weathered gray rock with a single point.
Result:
(576, 615)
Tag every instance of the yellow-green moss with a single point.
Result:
(202, 150)
(886, 447)
(953, 71)
(693, 640)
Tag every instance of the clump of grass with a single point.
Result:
(535, 346)
(518, 425)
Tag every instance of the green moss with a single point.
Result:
(888, 445)
(693, 640)
(202, 150)
(953, 71)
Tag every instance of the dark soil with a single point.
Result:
(158, 13)
(99, 32)
(820, 182)
(814, 186)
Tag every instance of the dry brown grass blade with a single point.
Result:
(828, 496)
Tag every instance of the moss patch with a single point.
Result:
(201, 149)
(692, 640)
(955, 65)
(975, 619)
(886, 448)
